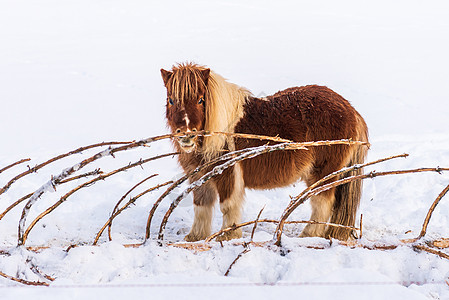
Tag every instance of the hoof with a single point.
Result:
(303, 235)
(230, 235)
(192, 237)
(312, 230)
(342, 234)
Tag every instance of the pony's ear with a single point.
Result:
(205, 73)
(166, 76)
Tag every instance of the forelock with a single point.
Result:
(186, 82)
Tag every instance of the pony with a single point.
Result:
(200, 99)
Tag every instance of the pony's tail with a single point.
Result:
(347, 196)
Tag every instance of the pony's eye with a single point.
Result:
(201, 101)
(170, 100)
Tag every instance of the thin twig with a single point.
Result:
(332, 176)
(93, 173)
(431, 209)
(361, 226)
(206, 246)
(9, 208)
(118, 211)
(40, 166)
(441, 243)
(24, 233)
(255, 223)
(187, 176)
(236, 226)
(37, 271)
(213, 173)
(23, 281)
(343, 171)
(371, 246)
(55, 180)
(123, 198)
(328, 186)
(246, 245)
(253, 137)
(181, 180)
(281, 140)
(246, 250)
(255, 151)
(430, 250)
(14, 164)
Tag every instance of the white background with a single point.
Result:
(74, 73)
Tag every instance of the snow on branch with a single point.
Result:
(197, 177)
(240, 156)
(14, 164)
(23, 234)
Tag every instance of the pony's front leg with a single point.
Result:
(231, 189)
(203, 201)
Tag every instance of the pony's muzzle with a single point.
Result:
(187, 143)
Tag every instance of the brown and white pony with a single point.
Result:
(199, 99)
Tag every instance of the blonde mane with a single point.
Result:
(224, 110)
(224, 103)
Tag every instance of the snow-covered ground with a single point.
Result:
(75, 73)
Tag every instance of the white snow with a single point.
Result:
(75, 73)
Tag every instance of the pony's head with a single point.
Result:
(198, 99)
(186, 101)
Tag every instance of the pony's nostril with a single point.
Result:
(185, 140)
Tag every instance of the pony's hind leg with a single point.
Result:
(232, 194)
(203, 200)
(322, 206)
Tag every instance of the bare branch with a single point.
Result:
(295, 200)
(40, 166)
(245, 245)
(431, 209)
(211, 174)
(281, 140)
(441, 243)
(37, 271)
(123, 198)
(246, 250)
(255, 223)
(55, 180)
(430, 250)
(361, 226)
(23, 234)
(190, 175)
(93, 173)
(23, 281)
(14, 164)
(9, 208)
(200, 176)
(182, 180)
(343, 171)
(118, 211)
(236, 226)
(325, 187)
(252, 152)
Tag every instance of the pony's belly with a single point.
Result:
(273, 170)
